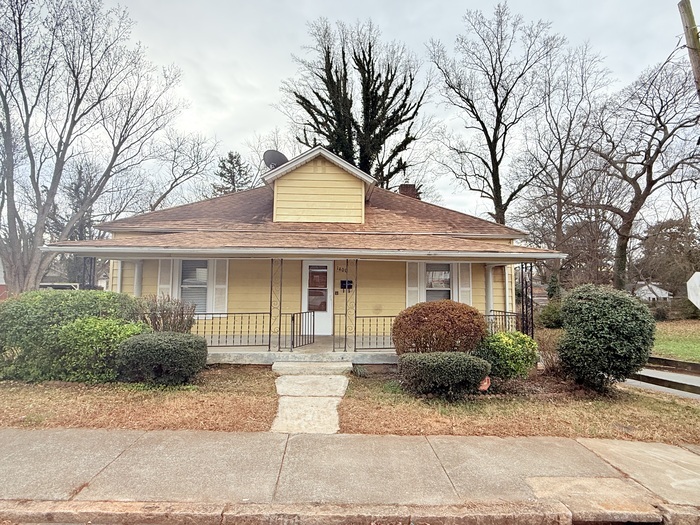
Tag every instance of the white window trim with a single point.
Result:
(454, 279)
(211, 284)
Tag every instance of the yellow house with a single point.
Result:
(317, 253)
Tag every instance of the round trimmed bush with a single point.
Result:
(511, 354)
(29, 325)
(608, 336)
(162, 358)
(89, 345)
(449, 375)
(438, 326)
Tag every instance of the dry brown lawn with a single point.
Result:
(378, 406)
(226, 398)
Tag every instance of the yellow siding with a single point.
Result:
(113, 275)
(381, 287)
(149, 284)
(478, 287)
(319, 191)
(499, 288)
(249, 286)
(127, 278)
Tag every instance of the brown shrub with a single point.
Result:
(547, 342)
(438, 326)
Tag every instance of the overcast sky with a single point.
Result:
(235, 54)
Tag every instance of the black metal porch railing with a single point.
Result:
(253, 329)
(363, 332)
(234, 329)
(373, 332)
(302, 328)
(502, 321)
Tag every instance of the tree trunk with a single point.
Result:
(621, 246)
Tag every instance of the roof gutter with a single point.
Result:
(164, 253)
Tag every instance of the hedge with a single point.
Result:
(29, 326)
(163, 358)
(449, 375)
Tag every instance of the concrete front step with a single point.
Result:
(311, 368)
(235, 357)
(296, 385)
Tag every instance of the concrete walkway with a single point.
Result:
(309, 396)
(670, 382)
(120, 476)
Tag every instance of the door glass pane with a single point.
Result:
(317, 300)
(318, 277)
(318, 288)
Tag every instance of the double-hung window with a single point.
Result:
(438, 282)
(194, 284)
(202, 282)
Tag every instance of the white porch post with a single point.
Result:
(488, 280)
(138, 278)
(120, 269)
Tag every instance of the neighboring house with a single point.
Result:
(318, 251)
(650, 292)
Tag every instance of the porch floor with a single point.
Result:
(321, 350)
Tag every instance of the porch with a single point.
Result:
(241, 338)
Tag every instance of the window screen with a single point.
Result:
(437, 282)
(193, 287)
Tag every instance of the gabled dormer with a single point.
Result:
(318, 186)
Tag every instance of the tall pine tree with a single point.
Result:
(234, 174)
(374, 130)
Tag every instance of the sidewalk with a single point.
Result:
(119, 476)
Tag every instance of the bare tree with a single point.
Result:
(572, 84)
(71, 87)
(646, 144)
(359, 97)
(182, 159)
(494, 83)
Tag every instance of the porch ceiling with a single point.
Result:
(303, 245)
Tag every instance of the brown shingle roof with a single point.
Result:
(362, 242)
(252, 211)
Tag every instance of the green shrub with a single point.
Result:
(165, 314)
(511, 354)
(608, 336)
(438, 326)
(88, 346)
(29, 325)
(550, 315)
(163, 358)
(449, 375)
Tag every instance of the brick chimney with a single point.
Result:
(409, 190)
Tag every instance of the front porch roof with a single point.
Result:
(302, 244)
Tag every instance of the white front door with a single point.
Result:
(317, 294)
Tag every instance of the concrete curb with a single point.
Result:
(542, 512)
(165, 513)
